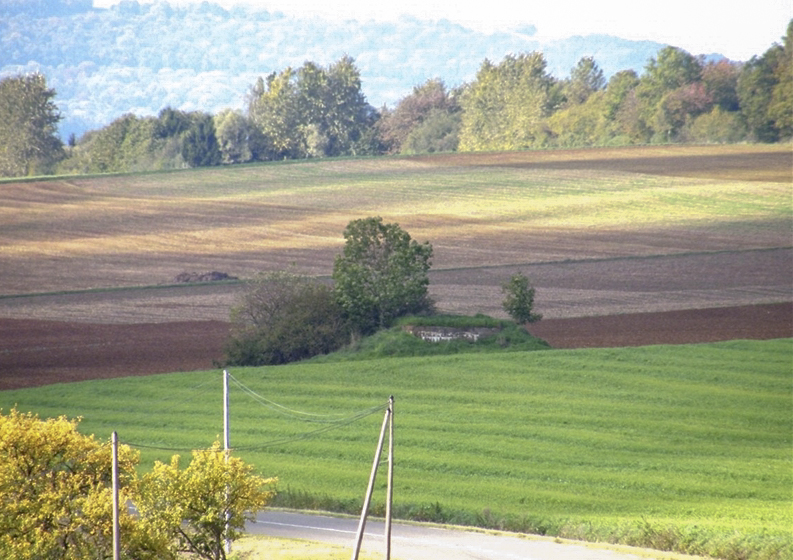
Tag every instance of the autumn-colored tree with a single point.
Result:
(56, 497)
(430, 100)
(203, 505)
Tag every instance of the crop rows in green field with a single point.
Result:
(597, 443)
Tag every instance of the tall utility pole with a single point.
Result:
(226, 443)
(388, 420)
(390, 490)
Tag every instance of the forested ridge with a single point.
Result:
(320, 110)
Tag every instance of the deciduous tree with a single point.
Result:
(55, 494)
(504, 108)
(204, 504)
(519, 299)
(585, 79)
(283, 317)
(29, 143)
(199, 144)
(381, 275)
(429, 100)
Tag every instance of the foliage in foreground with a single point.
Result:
(56, 497)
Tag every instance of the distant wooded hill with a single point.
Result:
(139, 58)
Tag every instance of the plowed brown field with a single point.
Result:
(34, 353)
(600, 282)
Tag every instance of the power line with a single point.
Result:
(298, 414)
(330, 421)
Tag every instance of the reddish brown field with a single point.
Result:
(597, 286)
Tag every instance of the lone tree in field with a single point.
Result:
(519, 299)
(381, 275)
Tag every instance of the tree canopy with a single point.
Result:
(29, 143)
(57, 500)
(381, 274)
(283, 317)
(316, 111)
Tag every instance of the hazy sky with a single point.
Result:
(735, 28)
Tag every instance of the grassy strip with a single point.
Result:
(682, 448)
(395, 343)
(268, 548)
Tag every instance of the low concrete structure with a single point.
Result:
(443, 334)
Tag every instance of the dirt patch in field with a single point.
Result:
(35, 353)
(758, 322)
(746, 163)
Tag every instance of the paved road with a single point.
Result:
(419, 542)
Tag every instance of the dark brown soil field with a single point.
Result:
(34, 353)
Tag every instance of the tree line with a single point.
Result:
(314, 111)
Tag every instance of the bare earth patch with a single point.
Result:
(34, 353)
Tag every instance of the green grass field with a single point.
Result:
(686, 448)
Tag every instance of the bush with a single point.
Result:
(283, 318)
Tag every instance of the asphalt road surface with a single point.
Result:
(420, 542)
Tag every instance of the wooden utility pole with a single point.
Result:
(390, 491)
(387, 421)
(226, 447)
(116, 529)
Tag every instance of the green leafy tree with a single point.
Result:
(585, 79)
(504, 108)
(233, 133)
(780, 107)
(641, 114)
(29, 142)
(283, 317)
(717, 126)
(381, 275)
(203, 505)
(199, 143)
(580, 125)
(439, 131)
(273, 109)
(337, 108)
(313, 111)
(519, 299)
(670, 69)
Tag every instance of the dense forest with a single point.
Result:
(321, 111)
